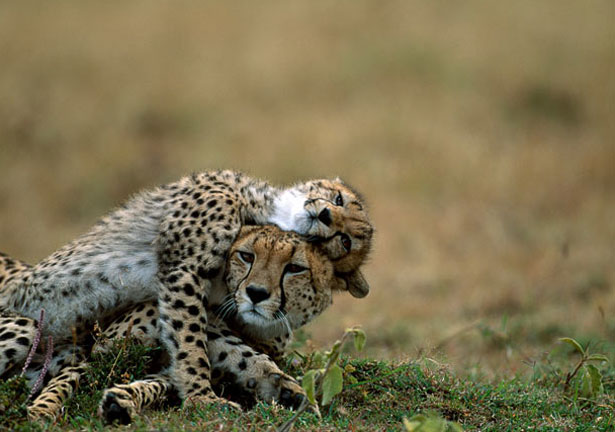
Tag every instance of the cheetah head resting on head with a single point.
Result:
(333, 217)
(276, 281)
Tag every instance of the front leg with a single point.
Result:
(192, 245)
(276, 348)
(245, 375)
(183, 324)
(123, 402)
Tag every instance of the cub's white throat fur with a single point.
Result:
(289, 213)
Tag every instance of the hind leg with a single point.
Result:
(49, 403)
(16, 332)
(140, 323)
(11, 269)
(16, 337)
(65, 371)
(122, 400)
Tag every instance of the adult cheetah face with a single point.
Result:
(277, 280)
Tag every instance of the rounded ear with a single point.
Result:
(355, 283)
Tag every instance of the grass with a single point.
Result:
(377, 395)
(127, 361)
(13, 399)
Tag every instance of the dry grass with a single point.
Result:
(481, 133)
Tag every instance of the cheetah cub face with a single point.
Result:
(277, 281)
(333, 216)
(339, 215)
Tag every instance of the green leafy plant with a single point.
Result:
(430, 423)
(588, 377)
(327, 381)
(325, 378)
(13, 399)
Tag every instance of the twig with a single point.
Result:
(41, 376)
(35, 342)
(571, 375)
(121, 351)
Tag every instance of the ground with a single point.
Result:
(377, 396)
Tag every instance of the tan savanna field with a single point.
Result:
(481, 133)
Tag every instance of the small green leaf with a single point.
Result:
(331, 384)
(597, 357)
(411, 426)
(308, 384)
(430, 423)
(574, 344)
(453, 427)
(335, 352)
(586, 383)
(318, 360)
(591, 381)
(359, 339)
(596, 379)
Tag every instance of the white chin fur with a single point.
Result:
(289, 213)
(254, 325)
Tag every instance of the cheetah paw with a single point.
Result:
(40, 414)
(282, 389)
(117, 406)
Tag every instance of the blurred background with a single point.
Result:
(481, 133)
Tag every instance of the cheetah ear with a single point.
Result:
(355, 283)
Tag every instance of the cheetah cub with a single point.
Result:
(169, 244)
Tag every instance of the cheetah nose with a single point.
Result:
(325, 217)
(257, 294)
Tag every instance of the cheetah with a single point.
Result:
(169, 244)
(273, 283)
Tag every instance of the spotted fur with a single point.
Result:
(295, 281)
(276, 282)
(169, 245)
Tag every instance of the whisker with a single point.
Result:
(282, 319)
(226, 309)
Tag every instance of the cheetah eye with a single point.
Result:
(346, 242)
(246, 257)
(339, 201)
(294, 268)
